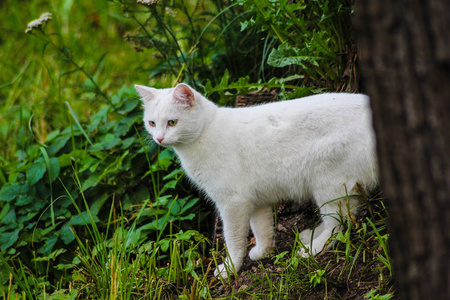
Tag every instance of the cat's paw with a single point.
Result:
(313, 247)
(305, 237)
(304, 252)
(221, 269)
(258, 252)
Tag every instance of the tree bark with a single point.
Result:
(405, 56)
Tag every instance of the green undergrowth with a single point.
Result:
(77, 178)
(176, 265)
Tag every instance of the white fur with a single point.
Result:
(245, 159)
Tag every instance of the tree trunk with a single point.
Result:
(405, 55)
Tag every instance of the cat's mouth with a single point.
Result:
(164, 143)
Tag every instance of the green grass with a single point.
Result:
(176, 265)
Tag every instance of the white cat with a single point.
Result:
(245, 159)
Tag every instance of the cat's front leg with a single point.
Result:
(235, 218)
(261, 222)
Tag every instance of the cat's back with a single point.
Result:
(317, 112)
(317, 104)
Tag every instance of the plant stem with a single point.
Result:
(67, 55)
(163, 53)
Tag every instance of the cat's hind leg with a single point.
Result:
(315, 240)
(330, 210)
(261, 222)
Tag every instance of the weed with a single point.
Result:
(316, 277)
(372, 295)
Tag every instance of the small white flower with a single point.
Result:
(147, 2)
(170, 12)
(38, 22)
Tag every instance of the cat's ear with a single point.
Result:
(183, 94)
(146, 93)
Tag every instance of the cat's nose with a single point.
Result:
(160, 139)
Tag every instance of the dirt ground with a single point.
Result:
(341, 282)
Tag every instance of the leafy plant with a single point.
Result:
(316, 277)
(308, 36)
(117, 267)
(373, 295)
(111, 161)
(203, 51)
(227, 91)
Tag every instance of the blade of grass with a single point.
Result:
(21, 280)
(49, 175)
(78, 123)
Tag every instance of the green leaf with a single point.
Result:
(174, 174)
(287, 55)
(57, 145)
(184, 236)
(225, 78)
(100, 117)
(171, 184)
(98, 203)
(164, 244)
(182, 205)
(90, 163)
(10, 219)
(48, 246)
(341, 237)
(54, 169)
(165, 160)
(163, 200)
(188, 217)
(156, 224)
(75, 117)
(52, 135)
(66, 159)
(124, 125)
(21, 191)
(7, 239)
(10, 191)
(247, 23)
(51, 256)
(5, 211)
(132, 239)
(82, 219)
(23, 200)
(110, 141)
(93, 180)
(189, 204)
(48, 230)
(35, 172)
(127, 142)
(129, 105)
(66, 234)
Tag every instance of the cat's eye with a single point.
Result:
(172, 122)
(151, 123)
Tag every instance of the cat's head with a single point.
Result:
(172, 116)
